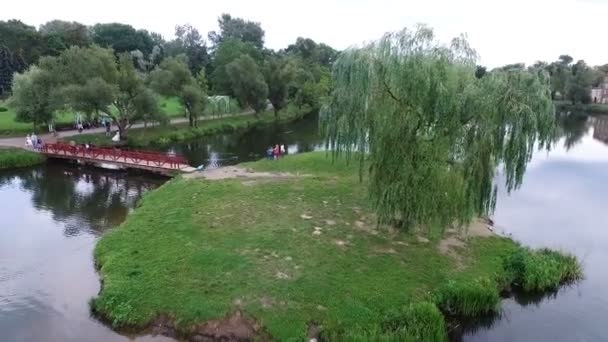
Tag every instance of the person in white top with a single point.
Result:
(28, 141)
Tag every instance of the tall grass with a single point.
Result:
(542, 269)
(417, 322)
(468, 298)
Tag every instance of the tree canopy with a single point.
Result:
(122, 38)
(237, 28)
(173, 77)
(429, 133)
(248, 83)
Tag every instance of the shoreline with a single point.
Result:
(414, 269)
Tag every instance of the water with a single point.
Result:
(561, 204)
(52, 216)
(234, 148)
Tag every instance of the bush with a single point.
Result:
(542, 270)
(468, 298)
(416, 322)
(3, 109)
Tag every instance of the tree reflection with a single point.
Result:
(572, 127)
(84, 199)
(248, 145)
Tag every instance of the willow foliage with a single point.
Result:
(430, 134)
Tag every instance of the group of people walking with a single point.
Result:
(33, 141)
(276, 152)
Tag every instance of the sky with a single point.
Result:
(502, 32)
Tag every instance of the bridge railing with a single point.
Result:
(155, 159)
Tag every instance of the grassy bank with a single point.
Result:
(163, 135)
(296, 255)
(13, 158)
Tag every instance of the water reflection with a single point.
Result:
(52, 216)
(561, 204)
(250, 145)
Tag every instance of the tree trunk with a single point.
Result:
(276, 113)
(123, 129)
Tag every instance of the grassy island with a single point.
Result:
(298, 254)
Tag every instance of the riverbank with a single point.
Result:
(591, 108)
(298, 255)
(163, 135)
(11, 158)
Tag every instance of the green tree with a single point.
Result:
(278, 74)
(578, 87)
(248, 83)
(92, 80)
(68, 33)
(122, 38)
(190, 42)
(237, 28)
(225, 53)
(430, 133)
(308, 50)
(33, 94)
(173, 78)
(7, 69)
(22, 39)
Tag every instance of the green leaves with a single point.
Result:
(248, 83)
(432, 131)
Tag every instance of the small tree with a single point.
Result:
(248, 83)
(279, 74)
(32, 97)
(173, 78)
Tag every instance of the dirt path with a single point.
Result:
(232, 172)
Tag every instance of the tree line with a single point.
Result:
(116, 70)
(569, 81)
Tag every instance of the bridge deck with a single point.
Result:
(144, 160)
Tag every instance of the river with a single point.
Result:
(52, 215)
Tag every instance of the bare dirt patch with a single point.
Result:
(235, 327)
(232, 172)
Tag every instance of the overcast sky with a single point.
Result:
(501, 31)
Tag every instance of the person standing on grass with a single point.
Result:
(108, 128)
(276, 152)
(269, 152)
(283, 150)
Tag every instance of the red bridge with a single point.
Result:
(152, 161)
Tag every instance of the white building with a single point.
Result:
(600, 94)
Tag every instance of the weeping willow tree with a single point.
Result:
(430, 134)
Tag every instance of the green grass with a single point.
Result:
(469, 298)
(198, 250)
(14, 158)
(417, 322)
(163, 135)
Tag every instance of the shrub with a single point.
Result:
(543, 269)
(468, 298)
(416, 322)
(3, 109)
